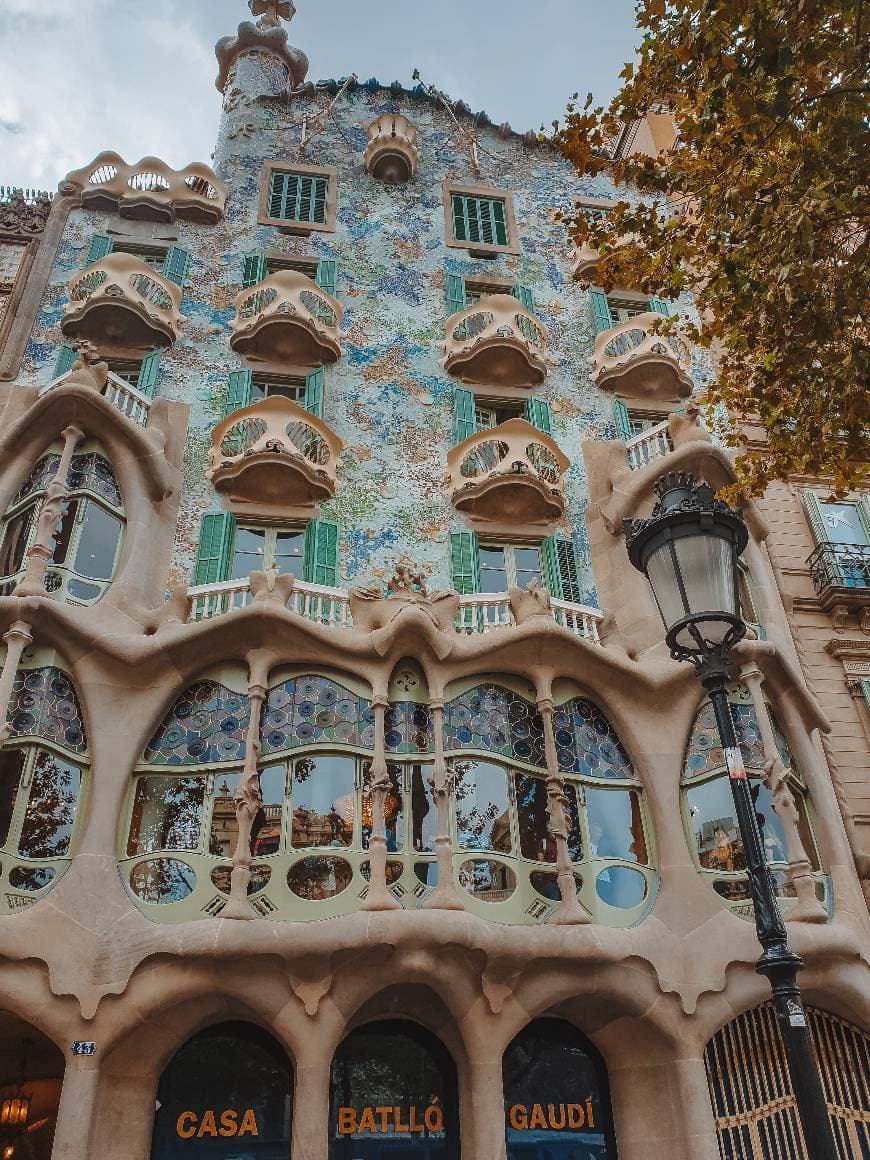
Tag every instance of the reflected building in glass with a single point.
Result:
(351, 807)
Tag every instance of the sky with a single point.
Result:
(137, 76)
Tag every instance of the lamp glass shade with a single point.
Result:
(694, 575)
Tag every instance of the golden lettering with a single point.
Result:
(367, 1121)
(557, 1124)
(412, 1118)
(346, 1121)
(249, 1124)
(384, 1114)
(229, 1123)
(207, 1125)
(181, 1128)
(536, 1120)
(518, 1118)
(433, 1118)
(589, 1119)
(398, 1126)
(576, 1116)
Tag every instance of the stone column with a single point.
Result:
(570, 911)
(311, 1109)
(75, 1116)
(444, 897)
(17, 639)
(378, 896)
(661, 1107)
(808, 908)
(247, 797)
(42, 549)
(481, 1106)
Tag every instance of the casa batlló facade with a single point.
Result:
(351, 806)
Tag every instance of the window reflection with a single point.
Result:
(48, 823)
(714, 825)
(317, 879)
(11, 767)
(487, 880)
(392, 809)
(536, 843)
(482, 818)
(266, 831)
(167, 812)
(323, 801)
(615, 825)
(423, 808)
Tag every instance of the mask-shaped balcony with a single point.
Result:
(628, 358)
(150, 190)
(120, 304)
(274, 452)
(496, 342)
(391, 154)
(287, 318)
(510, 474)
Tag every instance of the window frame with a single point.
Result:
(272, 532)
(290, 225)
(488, 193)
(509, 548)
(32, 747)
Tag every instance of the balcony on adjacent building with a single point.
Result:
(391, 154)
(122, 305)
(150, 190)
(496, 342)
(841, 575)
(274, 452)
(288, 319)
(510, 474)
(633, 360)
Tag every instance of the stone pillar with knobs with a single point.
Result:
(444, 896)
(42, 549)
(17, 639)
(378, 896)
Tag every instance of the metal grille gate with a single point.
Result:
(756, 1116)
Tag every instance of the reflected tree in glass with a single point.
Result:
(482, 810)
(51, 808)
(167, 814)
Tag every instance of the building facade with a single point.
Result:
(350, 804)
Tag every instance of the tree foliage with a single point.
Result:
(760, 210)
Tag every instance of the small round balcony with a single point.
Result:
(121, 305)
(511, 475)
(274, 452)
(391, 155)
(288, 319)
(496, 342)
(639, 364)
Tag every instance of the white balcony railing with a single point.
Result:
(648, 445)
(478, 612)
(123, 397)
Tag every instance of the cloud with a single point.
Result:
(11, 126)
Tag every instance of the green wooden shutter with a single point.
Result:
(101, 244)
(813, 509)
(454, 285)
(621, 420)
(321, 553)
(253, 270)
(299, 197)
(238, 391)
(561, 573)
(865, 689)
(524, 295)
(313, 399)
(66, 356)
(217, 532)
(659, 306)
(465, 562)
(464, 422)
(175, 265)
(148, 372)
(327, 275)
(539, 414)
(600, 311)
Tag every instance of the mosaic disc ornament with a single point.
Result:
(44, 704)
(315, 710)
(207, 723)
(586, 742)
(704, 752)
(39, 478)
(408, 728)
(495, 720)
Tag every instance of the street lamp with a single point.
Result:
(688, 550)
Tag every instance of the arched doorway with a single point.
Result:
(557, 1100)
(31, 1076)
(393, 1096)
(227, 1094)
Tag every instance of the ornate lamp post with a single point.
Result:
(688, 550)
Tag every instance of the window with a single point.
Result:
(268, 386)
(493, 568)
(842, 533)
(302, 199)
(87, 537)
(230, 552)
(594, 213)
(489, 417)
(480, 219)
(621, 310)
(171, 262)
(153, 256)
(256, 549)
(307, 266)
(504, 566)
(640, 421)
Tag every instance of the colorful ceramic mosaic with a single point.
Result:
(309, 710)
(408, 728)
(704, 753)
(207, 724)
(44, 704)
(586, 742)
(91, 472)
(495, 720)
(39, 479)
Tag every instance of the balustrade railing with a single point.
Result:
(290, 301)
(122, 281)
(635, 346)
(496, 340)
(123, 397)
(653, 443)
(151, 188)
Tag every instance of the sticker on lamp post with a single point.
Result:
(734, 762)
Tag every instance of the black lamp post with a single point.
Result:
(688, 550)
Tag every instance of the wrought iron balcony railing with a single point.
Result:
(841, 574)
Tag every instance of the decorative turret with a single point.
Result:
(243, 64)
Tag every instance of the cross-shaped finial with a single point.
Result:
(272, 12)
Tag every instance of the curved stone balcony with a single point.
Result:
(120, 304)
(496, 342)
(391, 155)
(150, 190)
(628, 358)
(274, 452)
(287, 318)
(510, 474)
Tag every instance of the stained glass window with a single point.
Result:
(207, 724)
(704, 752)
(586, 742)
(408, 728)
(44, 704)
(307, 710)
(496, 720)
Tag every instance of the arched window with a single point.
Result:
(556, 1095)
(709, 807)
(311, 838)
(87, 537)
(42, 767)
(753, 1101)
(393, 1093)
(31, 1076)
(226, 1094)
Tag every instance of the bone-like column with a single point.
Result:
(378, 897)
(444, 897)
(42, 549)
(570, 911)
(17, 639)
(800, 874)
